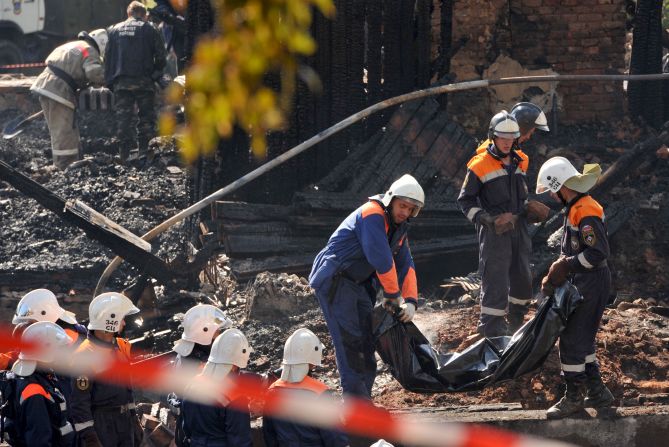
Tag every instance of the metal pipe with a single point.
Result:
(432, 91)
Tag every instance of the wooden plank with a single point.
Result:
(255, 212)
(338, 201)
(12, 84)
(144, 261)
(243, 245)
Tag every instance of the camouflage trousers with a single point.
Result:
(124, 105)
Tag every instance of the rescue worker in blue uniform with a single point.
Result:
(302, 351)
(228, 423)
(134, 62)
(369, 249)
(40, 408)
(104, 414)
(201, 325)
(42, 305)
(583, 261)
(494, 197)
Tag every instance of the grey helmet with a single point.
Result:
(529, 116)
(503, 125)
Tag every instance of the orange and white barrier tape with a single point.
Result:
(27, 65)
(354, 416)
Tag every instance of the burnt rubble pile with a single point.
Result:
(135, 196)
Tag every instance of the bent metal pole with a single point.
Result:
(432, 91)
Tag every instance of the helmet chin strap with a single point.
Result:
(562, 199)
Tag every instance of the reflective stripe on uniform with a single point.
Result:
(66, 429)
(591, 358)
(514, 300)
(519, 171)
(493, 312)
(62, 152)
(83, 425)
(573, 368)
(584, 262)
(472, 213)
(493, 175)
(63, 406)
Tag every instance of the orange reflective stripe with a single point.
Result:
(308, 383)
(389, 280)
(484, 164)
(74, 335)
(34, 389)
(585, 207)
(410, 284)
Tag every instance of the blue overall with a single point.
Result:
(366, 252)
(586, 246)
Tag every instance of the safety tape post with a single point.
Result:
(354, 416)
(27, 65)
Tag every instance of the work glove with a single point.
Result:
(89, 438)
(536, 211)
(557, 275)
(407, 312)
(505, 222)
(392, 305)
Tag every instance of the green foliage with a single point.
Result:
(665, 14)
(225, 80)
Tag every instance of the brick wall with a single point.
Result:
(565, 36)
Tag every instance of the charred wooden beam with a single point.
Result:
(96, 226)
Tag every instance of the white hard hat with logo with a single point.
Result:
(407, 188)
(107, 310)
(558, 171)
(200, 324)
(41, 305)
(47, 340)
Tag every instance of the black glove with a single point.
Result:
(392, 305)
(487, 220)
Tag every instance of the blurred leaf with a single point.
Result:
(226, 80)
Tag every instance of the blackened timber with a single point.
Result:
(385, 173)
(243, 245)
(396, 126)
(348, 202)
(136, 255)
(422, 43)
(422, 251)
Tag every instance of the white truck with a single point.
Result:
(30, 29)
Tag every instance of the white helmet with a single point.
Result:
(558, 171)
(47, 339)
(200, 325)
(107, 310)
(41, 305)
(231, 347)
(100, 37)
(303, 346)
(407, 188)
(503, 125)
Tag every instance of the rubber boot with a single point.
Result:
(571, 403)
(516, 317)
(597, 394)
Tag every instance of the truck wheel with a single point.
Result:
(10, 53)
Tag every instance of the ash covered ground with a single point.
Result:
(632, 345)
